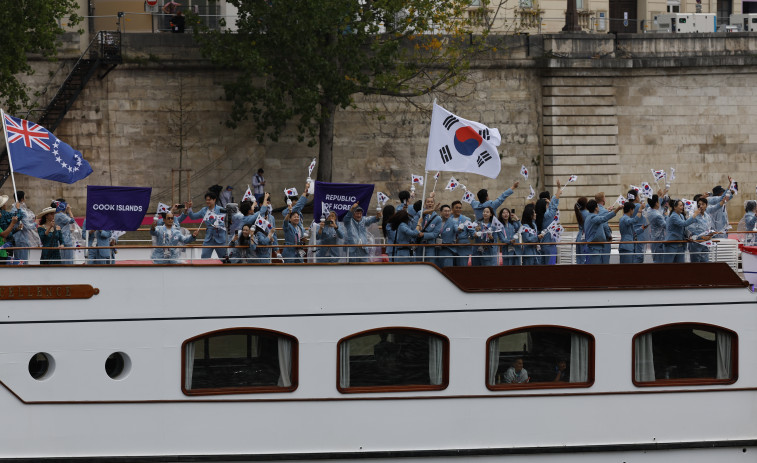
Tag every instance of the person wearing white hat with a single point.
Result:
(50, 236)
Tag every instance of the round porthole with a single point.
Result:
(41, 366)
(117, 365)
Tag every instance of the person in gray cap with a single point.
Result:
(355, 232)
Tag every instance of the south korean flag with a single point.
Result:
(459, 145)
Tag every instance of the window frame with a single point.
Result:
(543, 385)
(402, 388)
(242, 390)
(687, 381)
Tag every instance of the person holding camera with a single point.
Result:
(356, 233)
(242, 247)
(329, 232)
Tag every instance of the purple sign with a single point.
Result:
(116, 207)
(339, 197)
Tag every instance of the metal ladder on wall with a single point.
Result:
(103, 51)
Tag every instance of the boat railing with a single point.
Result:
(567, 253)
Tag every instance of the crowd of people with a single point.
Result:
(412, 230)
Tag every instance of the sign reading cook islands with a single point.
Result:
(21, 292)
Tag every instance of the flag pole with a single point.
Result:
(8, 149)
(423, 203)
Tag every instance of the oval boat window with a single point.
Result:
(117, 365)
(41, 366)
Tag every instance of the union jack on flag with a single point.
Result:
(35, 151)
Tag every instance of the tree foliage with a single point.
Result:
(301, 60)
(28, 26)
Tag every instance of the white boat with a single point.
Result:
(400, 362)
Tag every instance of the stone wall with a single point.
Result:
(609, 117)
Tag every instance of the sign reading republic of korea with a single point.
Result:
(458, 145)
(116, 207)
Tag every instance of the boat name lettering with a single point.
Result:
(48, 292)
(117, 207)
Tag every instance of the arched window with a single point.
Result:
(540, 357)
(239, 360)
(393, 359)
(685, 354)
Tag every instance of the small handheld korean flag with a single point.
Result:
(417, 180)
(382, 198)
(658, 175)
(436, 176)
(710, 243)
(290, 192)
(470, 225)
(452, 184)
(672, 175)
(468, 197)
(524, 172)
(646, 190)
(163, 208)
(557, 216)
(621, 200)
(689, 205)
(573, 179)
(248, 195)
(262, 222)
(734, 187)
(210, 218)
(634, 187)
(311, 167)
(220, 221)
(531, 194)
(459, 145)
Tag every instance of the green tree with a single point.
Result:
(302, 60)
(28, 26)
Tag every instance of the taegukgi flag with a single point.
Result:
(35, 151)
(459, 145)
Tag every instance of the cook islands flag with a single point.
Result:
(459, 145)
(35, 151)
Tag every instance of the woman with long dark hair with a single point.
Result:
(676, 225)
(546, 213)
(579, 209)
(511, 226)
(488, 232)
(403, 234)
(529, 234)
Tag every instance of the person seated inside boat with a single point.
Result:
(561, 371)
(386, 354)
(516, 374)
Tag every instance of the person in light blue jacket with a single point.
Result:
(488, 232)
(168, 235)
(579, 210)
(546, 211)
(510, 232)
(606, 248)
(404, 237)
(748, 222)
(243, 247)
(356, 233)
(214, 236)
(484, 201)
(294, 232)
(103, 255)
(529, 234)
(431, 228)
(632, 215)
(596, 232)
(675, 231)
(448, 234)
(263, 237)
(656, 229)
(700, 230)
(718, 211)
(329, 233)
(64, 218)
(464, 236)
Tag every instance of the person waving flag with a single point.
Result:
(35, 151)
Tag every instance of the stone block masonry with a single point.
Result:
(608, 118)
